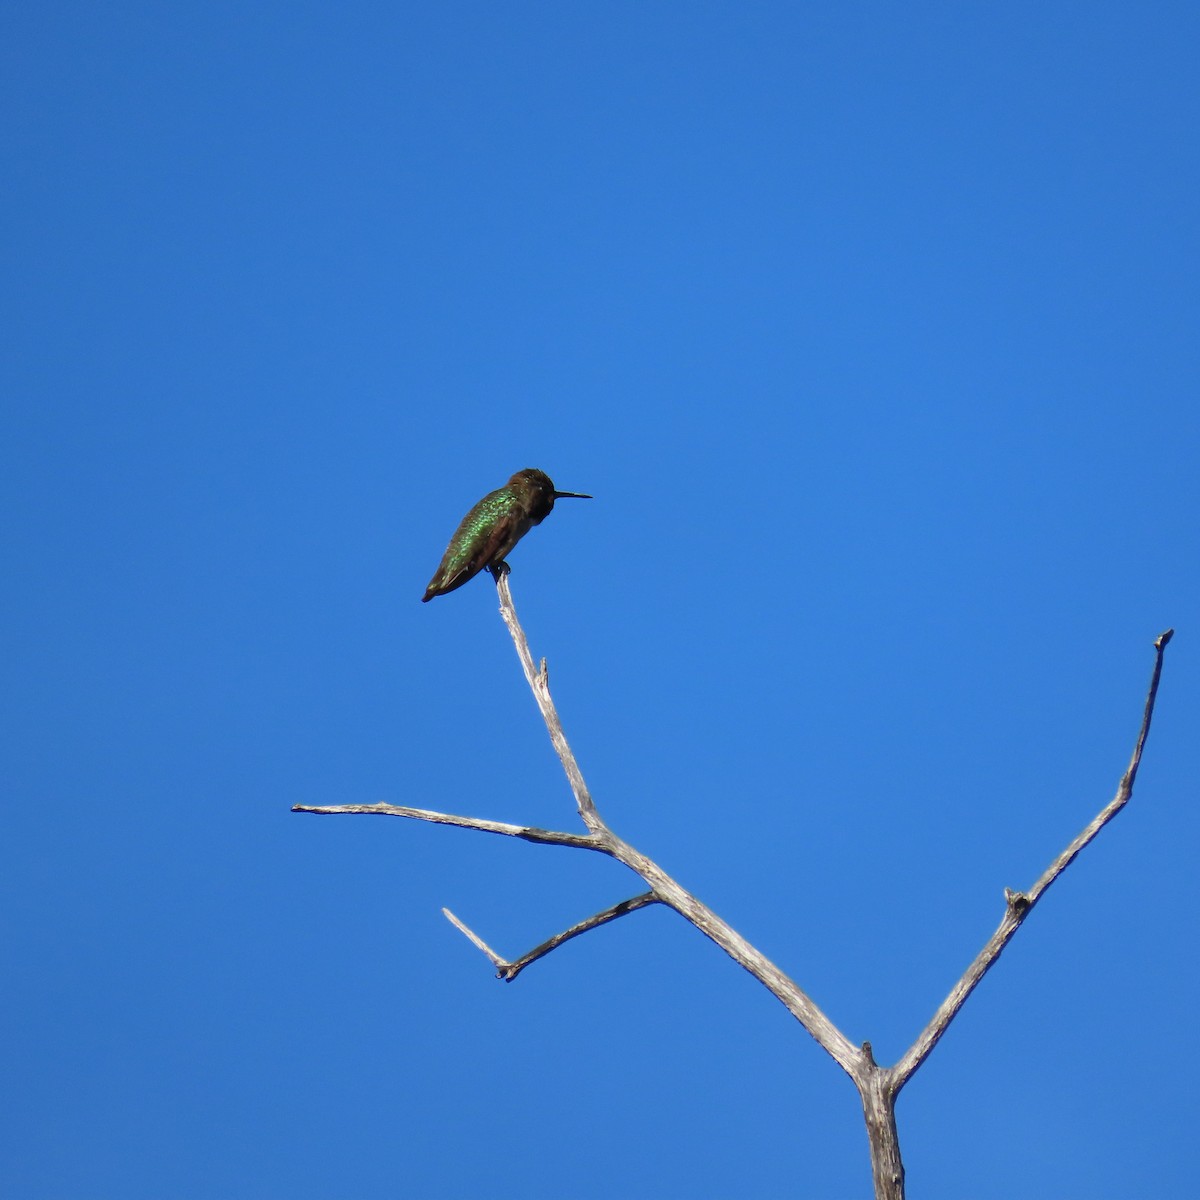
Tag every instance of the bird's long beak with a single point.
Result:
(573, 496)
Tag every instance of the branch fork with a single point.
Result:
(508, 971)
(877, 1086)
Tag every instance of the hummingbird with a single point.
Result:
(487, 534)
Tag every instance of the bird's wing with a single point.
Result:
(456, 569)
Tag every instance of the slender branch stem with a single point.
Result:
(508, 971)
(539, 683)
(1020, 904)
(528, 833)
(497, 962)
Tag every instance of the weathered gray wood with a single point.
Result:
(877, 1086)
(508, 971)
(1018, 905)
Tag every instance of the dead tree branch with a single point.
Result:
(508, 971)
(539, 684)
(664, 888)
(528, 833)
(1018, 905)
(877, 1086)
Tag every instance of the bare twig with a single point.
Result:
(508, 971)
(1020, 904)
(538, 678)
(497, 962)
(528, 833)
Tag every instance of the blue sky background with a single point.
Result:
(873, 330)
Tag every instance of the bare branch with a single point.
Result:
(513, 969)
(1020, 904)
(508, 971)
(538, 679)
(497, 962)
(785, 989)
(877, 1086)
(528, 833)
(664, 889)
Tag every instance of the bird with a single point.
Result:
(486, 535)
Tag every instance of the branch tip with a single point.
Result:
(499, 963)
(1160, 642)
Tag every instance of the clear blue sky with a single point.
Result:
(873, 330)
